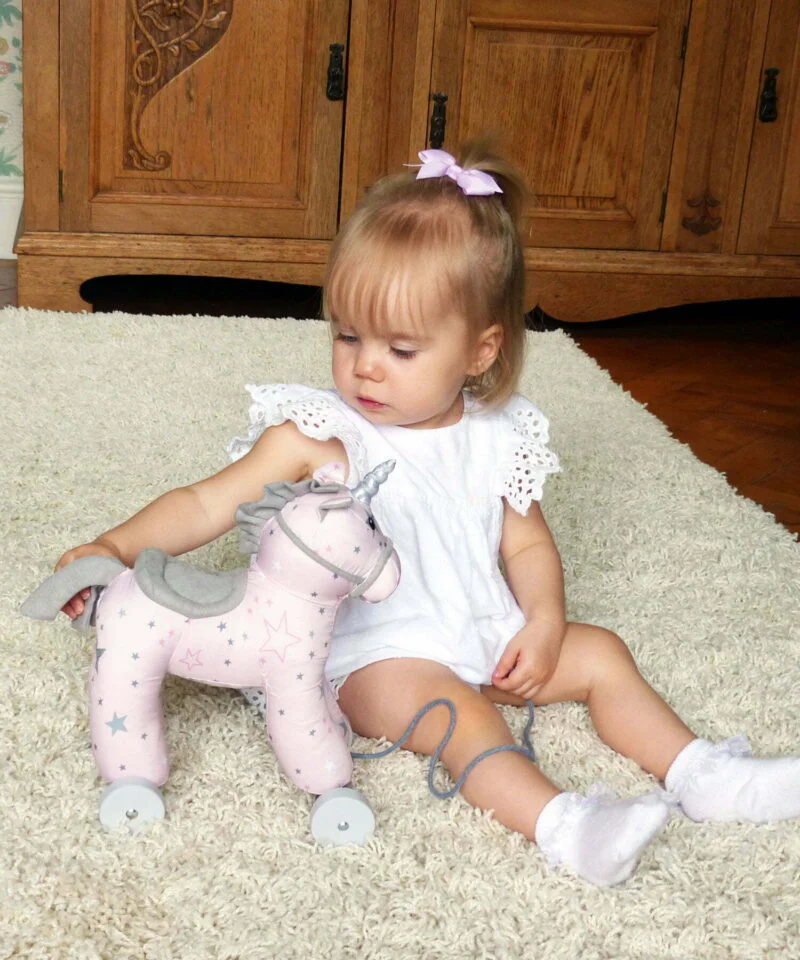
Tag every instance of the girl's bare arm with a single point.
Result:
(532, 563)
(188, 517)
(533, 570)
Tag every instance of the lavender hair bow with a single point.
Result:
(439, 163)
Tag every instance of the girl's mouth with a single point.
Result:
(370, 404)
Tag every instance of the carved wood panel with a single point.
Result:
(210, 117)
(165, 37)
(585, 94)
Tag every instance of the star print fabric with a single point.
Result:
(275, 640)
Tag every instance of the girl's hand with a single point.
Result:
(75, 607)
(530, 658)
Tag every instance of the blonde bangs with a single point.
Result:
(385, 278)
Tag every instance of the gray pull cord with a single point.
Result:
(526, 751)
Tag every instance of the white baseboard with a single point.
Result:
(10, 210)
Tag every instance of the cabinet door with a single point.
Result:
(771, 212)
(584, 94)
(200, 117)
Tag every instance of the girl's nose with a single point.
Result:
(367, 365)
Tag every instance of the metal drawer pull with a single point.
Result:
(335, 87)
(438, 120)
(768, 105)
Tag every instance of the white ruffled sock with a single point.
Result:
(600, 837)
(723, 781)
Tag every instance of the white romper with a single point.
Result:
(443, 508)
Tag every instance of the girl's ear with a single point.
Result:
(486, 348)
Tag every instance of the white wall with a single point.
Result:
(10, 123)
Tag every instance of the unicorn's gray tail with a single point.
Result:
(49, 597)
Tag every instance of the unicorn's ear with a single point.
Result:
(331, 473)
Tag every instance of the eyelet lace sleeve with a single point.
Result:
(317, 413)
(527, 460)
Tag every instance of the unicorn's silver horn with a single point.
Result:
(368, 487)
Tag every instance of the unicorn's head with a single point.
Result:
(321, 539)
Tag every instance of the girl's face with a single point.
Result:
(409, 375)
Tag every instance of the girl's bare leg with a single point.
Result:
(719, 782)
(380, 700)
(596, 668)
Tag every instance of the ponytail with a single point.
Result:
(479, 154)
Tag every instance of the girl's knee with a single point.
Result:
(606, 650)
(477, 726)
(589, 656)
(381, 700)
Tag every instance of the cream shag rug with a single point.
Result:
(102, 413)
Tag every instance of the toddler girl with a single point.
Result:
(424, 294)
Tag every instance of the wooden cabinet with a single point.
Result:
(206, 137)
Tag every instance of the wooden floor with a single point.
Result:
(725, 378)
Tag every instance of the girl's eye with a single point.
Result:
(347, 337)
(404, 354)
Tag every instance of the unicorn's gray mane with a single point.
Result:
(251, 517)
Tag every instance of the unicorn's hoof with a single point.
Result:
(131, 802)
(342, 816)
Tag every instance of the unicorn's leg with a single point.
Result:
(342, 815)
(309, 745)
(332, 703)
(135, 639)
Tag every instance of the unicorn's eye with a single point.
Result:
(371, 522)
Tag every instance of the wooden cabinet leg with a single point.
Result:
(579, 297)
(51, 283)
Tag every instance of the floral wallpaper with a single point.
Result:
(10, 88)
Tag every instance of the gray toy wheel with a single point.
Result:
(342, 816)
(131, 802)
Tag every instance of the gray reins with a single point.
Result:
(361, 583)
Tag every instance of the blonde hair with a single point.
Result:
(439, 251)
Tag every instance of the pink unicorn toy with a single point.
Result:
(314, 543)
